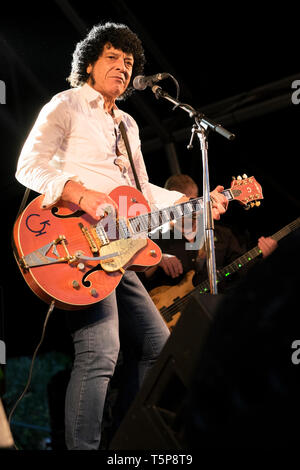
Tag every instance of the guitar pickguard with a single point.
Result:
(127, 249)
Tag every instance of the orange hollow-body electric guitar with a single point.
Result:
(68, 257)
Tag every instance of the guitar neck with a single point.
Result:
(249, 256)
(145, 223)
(204, 287)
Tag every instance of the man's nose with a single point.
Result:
(121, 64)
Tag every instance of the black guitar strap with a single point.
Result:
(127, 145)
(23, 202)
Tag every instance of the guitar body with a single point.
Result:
(75, 284)
(166, 296)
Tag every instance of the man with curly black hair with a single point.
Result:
(75, 152)
(88, 51)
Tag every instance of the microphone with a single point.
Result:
(141, 82)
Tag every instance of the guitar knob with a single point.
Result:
(80, 266)
(239, 177)
(252, 204)
(233, 178)
(245, 176)
(153, 253)
(93, 292)
(75, 284)
(247, 207)
(257, 203)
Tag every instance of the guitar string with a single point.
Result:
(170, 311)
(184, 209)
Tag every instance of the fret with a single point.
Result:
(165, 215)
(197, 204)
(134, 224)
(228, 194)
(154, 220)
(178, 211)
(123, 229)
(138, 226)
(188, 208)
(144, 221)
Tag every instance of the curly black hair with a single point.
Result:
(91, 47)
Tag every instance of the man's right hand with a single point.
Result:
(94, 203)
(97, 204)
(171, 265)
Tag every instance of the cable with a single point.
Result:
(177, 85)
(50, 309)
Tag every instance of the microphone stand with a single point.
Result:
(201, 128)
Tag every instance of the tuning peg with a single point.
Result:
(239, 177)
(257, 203)
(245, 176)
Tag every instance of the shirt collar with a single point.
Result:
(90, 93)
(93, 95)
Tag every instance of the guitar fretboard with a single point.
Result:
(204, 287)
(145, 223)
(249, 256)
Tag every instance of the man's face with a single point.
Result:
(111, 73)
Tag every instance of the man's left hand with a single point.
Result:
(219, 202)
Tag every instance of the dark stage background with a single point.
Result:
(235, 64)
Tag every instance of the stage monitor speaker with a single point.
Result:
(154, 420)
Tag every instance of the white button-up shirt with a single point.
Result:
(74, 138)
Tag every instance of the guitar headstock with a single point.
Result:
(246, 190)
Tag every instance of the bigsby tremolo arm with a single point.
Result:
(39, 257)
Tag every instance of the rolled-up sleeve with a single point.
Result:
(36, 168)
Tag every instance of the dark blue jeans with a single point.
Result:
(96, 338)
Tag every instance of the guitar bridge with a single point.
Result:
(92, 243)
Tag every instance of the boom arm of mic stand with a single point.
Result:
(201, 118)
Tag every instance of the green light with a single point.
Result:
(240, 265)
(249, 259)
(227, 274)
